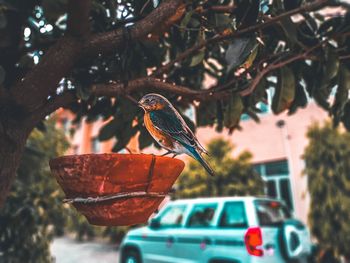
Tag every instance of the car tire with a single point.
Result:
(131, 256)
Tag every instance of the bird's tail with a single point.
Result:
(202, 161)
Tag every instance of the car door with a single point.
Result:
(192, 241)
(158, 241)
(229, 238)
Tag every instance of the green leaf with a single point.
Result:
(109, 130)
(145, 139)
(285, 90)
(206, 113)
(325, 84)
(346, 116)
(342, 94)
(259, 93)
(123, 137)
(252, 114)
(222, 21)
(219, 115)
(185, 20)
(247, 12)
(239, 51)
(289, 5)
(197, 59)
(189, 122)
(233, 111)
(300, 100)
(331, 66)
(290, 30)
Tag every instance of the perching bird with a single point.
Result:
(170, 130)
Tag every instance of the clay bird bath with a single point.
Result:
(116, 189)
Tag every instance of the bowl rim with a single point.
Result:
(99, 155)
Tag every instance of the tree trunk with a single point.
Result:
(12, 142)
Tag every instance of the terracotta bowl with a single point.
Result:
(100, 175)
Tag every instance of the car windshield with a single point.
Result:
(202, 215)
(271, 212)
(172, 216)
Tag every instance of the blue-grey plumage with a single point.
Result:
(170, 130)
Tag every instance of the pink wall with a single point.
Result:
(267, 142)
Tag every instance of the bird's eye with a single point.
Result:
(146, 100)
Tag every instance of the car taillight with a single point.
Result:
(253, 239)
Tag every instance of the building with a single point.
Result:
(277, 144)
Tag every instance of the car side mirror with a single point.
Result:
(154, 223)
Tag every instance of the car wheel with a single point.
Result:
(131, 256)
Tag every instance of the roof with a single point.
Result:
(222, 199)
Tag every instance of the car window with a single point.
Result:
(271, 212)
(233, 215)
(202, 215)
(172, 216)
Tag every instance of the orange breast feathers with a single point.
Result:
(161, 137)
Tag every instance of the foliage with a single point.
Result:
(327, 168)
(234, 176)
(284, 55)
(33, 212)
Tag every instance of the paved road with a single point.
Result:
(67, 250)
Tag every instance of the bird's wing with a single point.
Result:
(172, 125)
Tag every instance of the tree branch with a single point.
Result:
(147, 83)
(217, 9)
(217, 38)
(106, 42)
(119, 90)
(270, 68)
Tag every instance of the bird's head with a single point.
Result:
(153, 101)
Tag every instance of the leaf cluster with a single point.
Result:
(233, 176)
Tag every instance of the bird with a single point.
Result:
(169, 130)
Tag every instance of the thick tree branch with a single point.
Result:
(106, 42)
(78, 18)
(118, 89)
(217, 9)
(217, 38)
